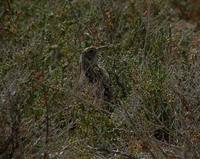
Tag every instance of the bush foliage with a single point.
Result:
(154, 67)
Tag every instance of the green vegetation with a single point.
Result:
(154, 67)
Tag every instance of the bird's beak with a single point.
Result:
(102, 48)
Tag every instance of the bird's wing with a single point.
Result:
(104, 78)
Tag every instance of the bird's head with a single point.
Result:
(91, 52)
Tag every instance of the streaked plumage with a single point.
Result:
(91, 71)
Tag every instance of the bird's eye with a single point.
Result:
(91, 51)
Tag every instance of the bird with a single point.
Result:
(95, 74)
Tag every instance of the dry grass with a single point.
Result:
(153, 65)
